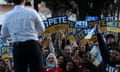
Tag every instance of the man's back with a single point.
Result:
(22, 23)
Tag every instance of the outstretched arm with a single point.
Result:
(103, 45)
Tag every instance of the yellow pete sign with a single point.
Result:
(55, 28)
(71, 37)
(112, 26)
(102, 23)
(54, 24)
(84, 41)
(7, 52)
(113, 29)
(80, 36)
(94, 38)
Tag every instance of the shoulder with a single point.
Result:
(59, 69)
(30, 10)
(8, 13)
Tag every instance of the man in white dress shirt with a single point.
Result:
(22, 24)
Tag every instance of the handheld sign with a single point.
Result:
(1, 44)
(54, 24)
(90, 34)
(7, 52)
(91, 18)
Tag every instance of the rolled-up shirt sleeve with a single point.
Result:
(39, 23)
(4, 29)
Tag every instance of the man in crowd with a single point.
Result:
(111, 56)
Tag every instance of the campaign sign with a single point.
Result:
(95, 54)
(109, 18)
(75, 27)
(1, 44)
(54, 24)
(71, 31)
(71, 28)
(94, 38)
(7, 52)
(81, 24)
(113, 26)
(102, 23)
(1, 41)
(81, 34)
(91, 24)
(91, 18)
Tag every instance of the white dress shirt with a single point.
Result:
(22, 24)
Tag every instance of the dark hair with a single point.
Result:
(109, 35)
(63, 64)
(28, 4)
(17, 2)
(75, 68)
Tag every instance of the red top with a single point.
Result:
(79, 68)
(58, 69)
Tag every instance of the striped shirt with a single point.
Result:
(22, 24)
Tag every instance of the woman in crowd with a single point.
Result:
(70, 66)
(51, 64)
(78, 62)
(61, 61)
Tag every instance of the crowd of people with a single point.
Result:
(65, 55)
(60, 54)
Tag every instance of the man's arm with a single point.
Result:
(103, 46)
(39, 23)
